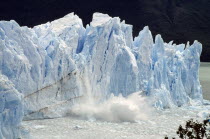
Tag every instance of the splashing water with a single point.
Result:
(114, 109)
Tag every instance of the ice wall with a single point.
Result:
(117, 64)
(111, 65)
(40, 64)
(55, 64)
(11, 109)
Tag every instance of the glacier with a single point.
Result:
(11, 109)
(47, 69)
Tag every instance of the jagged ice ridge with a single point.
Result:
(46, 69)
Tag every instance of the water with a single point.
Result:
(157, 126)
(205, 79)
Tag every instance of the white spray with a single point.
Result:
(115, 109)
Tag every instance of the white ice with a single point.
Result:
(54, 65)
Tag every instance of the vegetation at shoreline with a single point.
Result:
(194, 130)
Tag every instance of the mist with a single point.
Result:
(115, 109)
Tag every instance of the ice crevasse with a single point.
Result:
(46, 69)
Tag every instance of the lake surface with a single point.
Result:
(205, 79)
(159, 124)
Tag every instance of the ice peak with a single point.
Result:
(145, 36)
(67, 20)
(146, 29)
(59, 25)
(100, 19)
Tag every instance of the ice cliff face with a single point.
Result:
(11, 109)
(55, 64)
(39, 62)
(117, 64)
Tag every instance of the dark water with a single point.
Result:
(205, 79)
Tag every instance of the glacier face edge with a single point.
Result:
(11, 109)
(55, 64)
